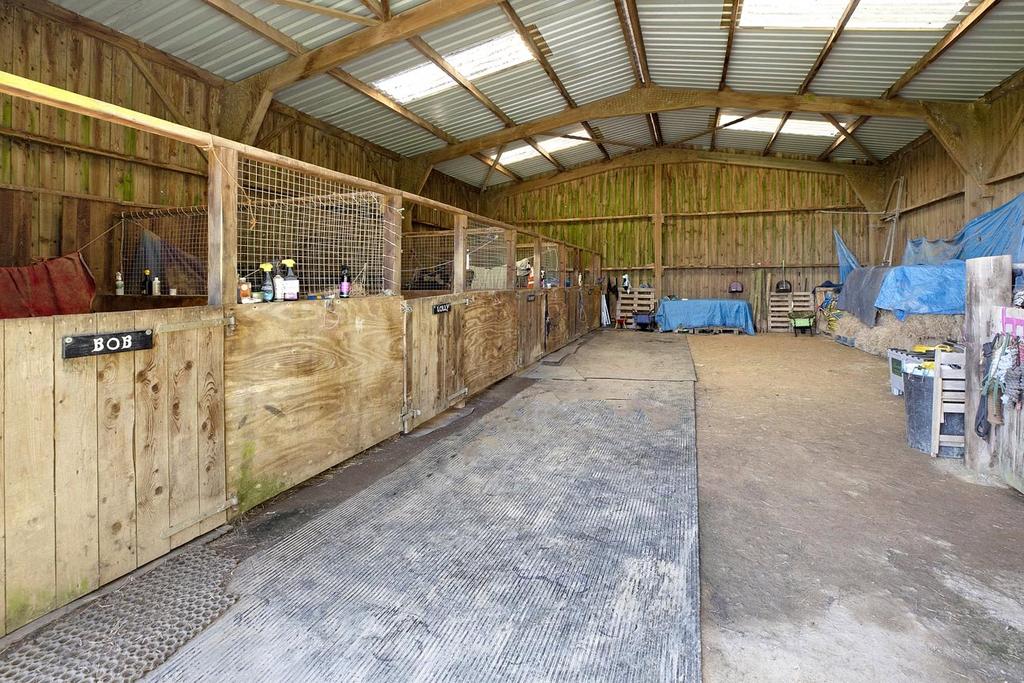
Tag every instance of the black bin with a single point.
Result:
(918, 402)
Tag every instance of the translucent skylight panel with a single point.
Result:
(870, 14)
(549, 145)
(497, 54)
(768, 124)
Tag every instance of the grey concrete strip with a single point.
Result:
(553, 539)
(634, 355)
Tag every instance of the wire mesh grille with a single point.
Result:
(323, 225)
(525, 267)
(427, 261)
(550, 264)
(171, 243)
(486, 258)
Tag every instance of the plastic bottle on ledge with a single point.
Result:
(156, 286)
(267, 290)
(147, 283)
(291, 280)
(118, 284)
(278, 286)
(346, 284)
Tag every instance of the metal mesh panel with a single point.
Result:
(322, 224)
(486, 258)
(171, 243)
(427, 261)
(550, 265)
(525, 268)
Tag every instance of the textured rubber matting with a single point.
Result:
(555, 538)
(131, 630)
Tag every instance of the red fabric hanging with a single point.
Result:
(57, 286)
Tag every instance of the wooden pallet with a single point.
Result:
(781, 305)
(948, 396)
(637, 301)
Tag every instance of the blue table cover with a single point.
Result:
(696, 313)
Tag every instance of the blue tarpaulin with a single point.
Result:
(847, 261)
(934, 289)
(998, 232)
(698, 313)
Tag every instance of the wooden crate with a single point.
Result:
(637, 301)
(781, 305)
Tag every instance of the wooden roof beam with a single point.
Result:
(845, 133)
(327, 11)
(670, 155)
(632, 33)
(841, 139)
(775, 135)
(243, 104)
(654, 99)
(545, 63)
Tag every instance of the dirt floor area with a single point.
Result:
(829, 549)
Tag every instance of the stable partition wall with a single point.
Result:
(114, 458)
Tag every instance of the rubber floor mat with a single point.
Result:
(554, 539)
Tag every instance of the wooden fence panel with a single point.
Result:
(107, 461)
(531, 326)
(490, 339)
(558, 320)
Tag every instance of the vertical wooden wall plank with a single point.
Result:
(28, 481)
(151, 480)
(212, 462)
(75, 472)
(115, 453)
(182, 423)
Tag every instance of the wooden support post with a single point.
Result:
(988, 285)
(537, 282)
(393, 243)
(459, 255)
(977, 198)
(510, 281)
(563, 264)
(222, 243)
(659, 221)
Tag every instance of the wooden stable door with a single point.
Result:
(109, 459)
(434, 350)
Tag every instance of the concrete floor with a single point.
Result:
(830, 550)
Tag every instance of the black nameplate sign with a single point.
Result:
(81, 345)
(442, 308)
(531, 297)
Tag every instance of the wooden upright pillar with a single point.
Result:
(222, 221)
(988, 285)
(459, 254)
(658, 220)
(393, 243)
(563, 262)
(537, 283)
(511, 236)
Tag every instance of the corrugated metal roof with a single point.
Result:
(471, 170)
(580, 154)
(188, 29)
(685, 41)
(986, 55)
(588, 50)
(883, 136)
(337, 104)
(793, 144)
(632, 129)
(771, 60)
(866, 63)
(676, 125)
(309, 29)
(526, 167)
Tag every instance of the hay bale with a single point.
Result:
(890, 333)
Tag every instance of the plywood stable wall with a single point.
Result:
(308, 386)
(109, 461)
(531, 326)
(434, 372)
(721, 223)
(55, 155)
(490, 338)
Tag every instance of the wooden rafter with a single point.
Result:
(775, 135)
(599, 140)
(734, 15)
(840, 139)
(718, 126)
(309, 6)
(377, 9)
(490, 168)
(545, 63)
(629, 22)
(254, 23)
(950, 39)
(438, 59)
(845, 133)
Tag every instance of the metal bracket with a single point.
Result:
(461, 392)
(406, 307)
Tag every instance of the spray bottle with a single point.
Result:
(291, 280)
(267, 290)
(118, 284)
(278, 285)
(346, 284)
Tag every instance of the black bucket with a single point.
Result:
(918, 398)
